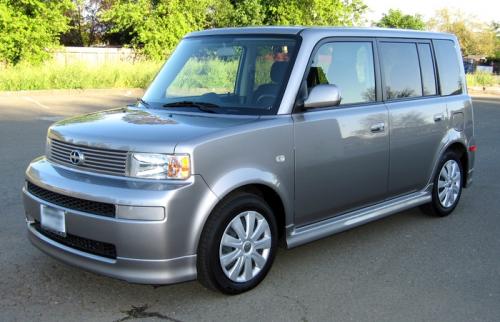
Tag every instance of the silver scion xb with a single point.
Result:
(249, 138)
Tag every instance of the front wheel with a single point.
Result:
(238, 245)
(447, 187)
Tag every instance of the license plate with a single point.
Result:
(53, 219)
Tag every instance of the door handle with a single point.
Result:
(378, 127)
(438, 117)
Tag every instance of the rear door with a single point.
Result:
(341, 152)
(417, 114)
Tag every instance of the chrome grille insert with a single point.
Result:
(95, 159)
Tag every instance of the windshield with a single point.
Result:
(236, 75)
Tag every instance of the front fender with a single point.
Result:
(232, 181)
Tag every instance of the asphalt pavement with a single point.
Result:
(407, 267)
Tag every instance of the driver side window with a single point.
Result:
(271, 64)
(349, 66)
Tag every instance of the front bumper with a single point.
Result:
(152, 252)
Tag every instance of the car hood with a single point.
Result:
(141, 130)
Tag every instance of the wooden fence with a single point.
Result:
(93, 56)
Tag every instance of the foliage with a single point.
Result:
(495, 27)
(397, 19)
(313, 12)
(475, 38)
(482, 79)
(29, 27)
(219, 75)
(245, 13)
(77, 76)
(86, 27)
(155, 27)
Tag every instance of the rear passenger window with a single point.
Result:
(400, 70)
(349, 66)
(450, 79)
(427, 68)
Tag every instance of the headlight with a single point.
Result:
(160, 166)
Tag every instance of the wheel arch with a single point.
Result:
(460, 149)
(270, 196)
(269, 190)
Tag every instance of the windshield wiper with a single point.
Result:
(202, 106)
(143, 102)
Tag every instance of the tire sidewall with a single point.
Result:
(224, 216)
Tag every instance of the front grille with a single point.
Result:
(91, 207)
(95, 159)
(83, 244)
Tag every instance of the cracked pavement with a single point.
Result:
(407, 267)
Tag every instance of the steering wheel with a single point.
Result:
(261, 99)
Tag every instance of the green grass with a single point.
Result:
(197, 76)
(77, 76)
(482, 79)
(219, 75)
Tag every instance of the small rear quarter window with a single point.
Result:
(448, 65)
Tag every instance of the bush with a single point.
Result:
(77, 76)
(29, 27)
(482, 79)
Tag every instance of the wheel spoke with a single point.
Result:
(449, 201)
(441, 184)
(445, 198)
(453, 170)
(248, 271)
(239, 229)
(250, 223)
(261, 226)
(259, 260)
(236, 269)
(230, 241)
(442, 194)
(448, 169)
(230, 257)
(263, 243)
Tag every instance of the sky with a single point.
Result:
(484, 10)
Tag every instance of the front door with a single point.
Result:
(341, 152)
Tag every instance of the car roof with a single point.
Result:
(324, 32)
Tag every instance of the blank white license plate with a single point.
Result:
(53, 219)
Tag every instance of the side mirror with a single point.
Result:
(323, 95)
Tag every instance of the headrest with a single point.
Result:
(278, 70)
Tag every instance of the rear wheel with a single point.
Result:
(238, 244)
(447, 187)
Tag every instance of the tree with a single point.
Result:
(314, 12)
(475, 38)
(396, 19)
(495, 27)
(86, 27)
(155, 27)
(29, 28)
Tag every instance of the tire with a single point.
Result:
(442, 183)
(246, 260)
